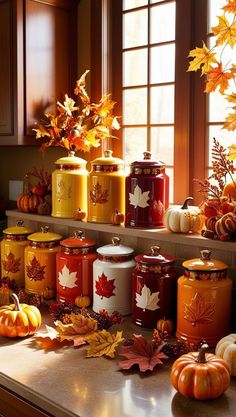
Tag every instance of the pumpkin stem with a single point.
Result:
(185, 205)
(16, 302)
(201, 355)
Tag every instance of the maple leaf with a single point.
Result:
(146, 300)
(225, 32)
(139, 198)
(104, 286)
(141, 353)
(230, 7)
(103, 343)
(66, 278)
(230, 121)
(49, 340)
(11, 264)
(80, 89)
(232, 151)
(98, 195)
(199, 311)
(231, 98)
(217, 77)
(78, 330)
(34, 270)
(202, 57)
(68, 106)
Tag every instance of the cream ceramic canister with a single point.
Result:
(106, 188)
(112, 283)
(12, 252)
(69, 186)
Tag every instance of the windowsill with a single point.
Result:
(162, 235)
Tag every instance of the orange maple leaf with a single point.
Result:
(225, 32)
(216, 77)
(230, 6)
(230, 121)
(231, 98)
(199, 311)
(202, 57)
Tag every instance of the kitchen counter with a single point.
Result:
(64, 383)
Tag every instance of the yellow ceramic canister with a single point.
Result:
(106, 188)
(12, 252)
(69, 186)
(40, 263)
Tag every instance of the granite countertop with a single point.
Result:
(65, 383)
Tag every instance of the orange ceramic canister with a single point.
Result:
(12, 252)
(75, 268)
(106, 188)
(204, 300)
(40, 263)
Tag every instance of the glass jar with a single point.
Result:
(69, 186)
(112, 278)
(40, 263)
(12, 252)
(204, 300)
(75, 267)
(106, 188)
(154, 284)
(147, 193)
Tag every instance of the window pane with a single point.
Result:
(135, 106)
(162, 64)
(135, 140)
(131, 4)
(135, 29)
(162, 23)
(162, 104)
(214, 7)
(218, 107)
(162, 144)
(170, 173)
(135, 67)
(225, 137)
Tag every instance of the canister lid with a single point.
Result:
(115, 249)
(44, 236)
(147, 161)
(71, 159)
(77, 241)
(19, 229)
(107, 159)
(154, 257)
(204, 263)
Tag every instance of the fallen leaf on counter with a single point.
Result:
(103, 343)
(78, 330)
(142, 353)
(48, 340)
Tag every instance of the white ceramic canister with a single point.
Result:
(112, 281)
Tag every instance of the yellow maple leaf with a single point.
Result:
(232, 152)
(230, 121)
(103, 343)
(225, 32)
(202, 57)
(216, 77)
(230, 6)
(231, 98)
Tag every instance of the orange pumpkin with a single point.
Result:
(117, 218)
(82, 301)
(19, 320)
(79, 214)
(164, 325)
(229, 190)
(48, 294)
(226, 226)
(199, 375)
(28, 202)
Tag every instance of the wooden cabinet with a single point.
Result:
(38, 49)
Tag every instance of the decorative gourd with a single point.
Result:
(48, 294)
(229, 190)
(117, 218)
(164, 325)
(79, 214)
(184, 219)
(5, 294)
(19, 320)
(28, 202)
(200, 375)
(226, 349)
(82, 301)
(210, 223)
(226, 226)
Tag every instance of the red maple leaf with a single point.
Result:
(104, 286)
(35, 271)
(11, 264)
(141, 353)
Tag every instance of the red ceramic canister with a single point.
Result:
(147, 193)
(75, 267)
(154, 284)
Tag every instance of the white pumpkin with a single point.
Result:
(184, 219)
(226, 349)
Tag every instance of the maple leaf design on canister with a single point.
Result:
(139, 198)
(35, 271)
(199, 311)
(11, 264)
(147, 300)
(98, 195)
(104, 286)
(66, 278)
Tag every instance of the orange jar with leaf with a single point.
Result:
(12, 252)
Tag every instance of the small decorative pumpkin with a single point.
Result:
(184, 219)
(82, 301)
(117, 217)
(5, 294)
(19, 320)
(200, 375)
(28, 202)
(48, 294)
(229, 190)
(164, 325)
(226, 349)
(79, 214)
(226, 226)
